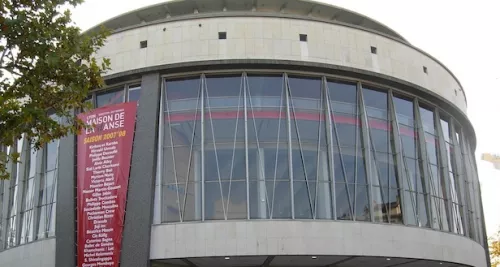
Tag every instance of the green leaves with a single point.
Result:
(41, 71)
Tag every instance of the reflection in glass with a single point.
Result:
(134, 93)
(109, 98)
(272, 145)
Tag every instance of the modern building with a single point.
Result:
(268, 133)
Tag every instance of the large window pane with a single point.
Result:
(224, 92)
(305, 93)
(134, 93)
(427, 118)
(183, 94)
(110, 98)
(375, 103)
(342, 97)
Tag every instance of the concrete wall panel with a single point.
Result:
(245, 238)
(37, 254)
(278, 38)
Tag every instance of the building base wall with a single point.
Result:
(254, 238)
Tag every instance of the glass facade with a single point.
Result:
(31, 195)
(116, 95)
(279, 146)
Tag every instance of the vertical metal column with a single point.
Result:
(365, 137)
(460, 177)
(245, 116)
(444, 168)
(468, 188)
(400, 161)
(289, 132)
(329, 136)
(421, 144)
(39, 173)
(202, 125)
(66, 203)
(5, 207)
(21, 185)
(140, 198)
(157, 213)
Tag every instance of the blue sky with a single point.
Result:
(464, 35)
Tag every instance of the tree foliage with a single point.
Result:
(494, 247)
(46, 66)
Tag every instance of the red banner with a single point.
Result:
(104, 154)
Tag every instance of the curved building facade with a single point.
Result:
(268, 133)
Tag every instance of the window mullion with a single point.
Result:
(286, 90)
(365, 138)
(459, 176)
(202, 125)
(244, 83)
(328, 127)
(400, 166)
(444, 168)
(425, 162)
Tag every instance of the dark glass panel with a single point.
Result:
(186, 132)
(259, 203)
(408, 144)
(410, 211)
(348, 134)
(427, 118)
(395, 208)
(304, 197)
(51, 155)
(262, 130)
(362, 209)
(191, 202)
(311, 129)
(393, 175)
(361, 177)
(338, 168)
(224, 86)
(256, 162)
(134, 93)
(171, 195)
(265, 92)
(278, 194)
(349, 166)
(180, 164)
(375, 103)
(188, 88)
(405, 110)
(48, 187)
(344, 201)
(276, 164)
(224, 92)
(382, 169)
(214, 205)
(224, 130)
(446, 130)
(379, 140)
(109, 98)
(32, 164)
(381, 204)
(431, 146)
(225, 164)
(342, 97)
(235, 197)
(323, 205)
(375, 98)
(267, 86)
(422, 207)
(304, 164)
(305, 87)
